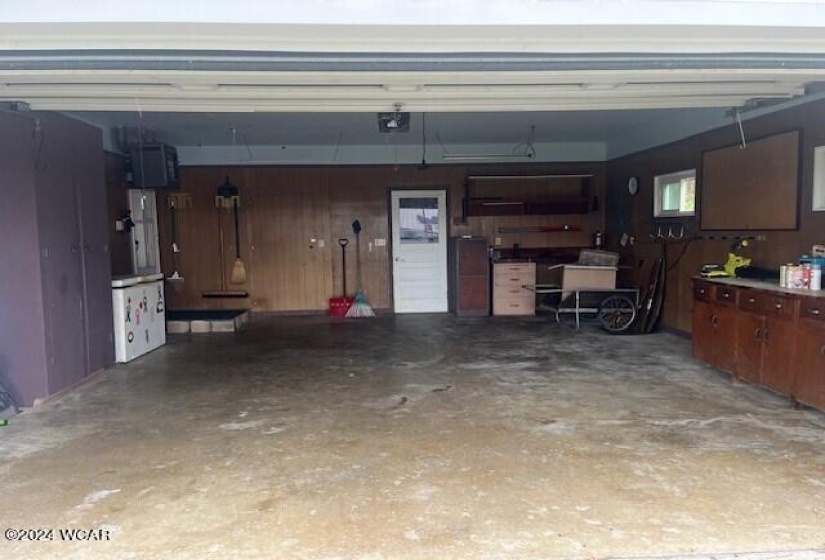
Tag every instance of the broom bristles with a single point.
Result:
(238, 272)
(360, 306)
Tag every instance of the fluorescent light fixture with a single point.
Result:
(477, 157)
(524, 150)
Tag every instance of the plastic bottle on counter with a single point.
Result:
(816, 277)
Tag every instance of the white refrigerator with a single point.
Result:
(139, 315)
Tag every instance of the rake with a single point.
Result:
(360, 306)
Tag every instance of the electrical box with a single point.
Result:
(154, 166)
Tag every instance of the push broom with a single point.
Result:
(227, 197)
(360, 306)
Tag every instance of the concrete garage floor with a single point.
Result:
(416, 437)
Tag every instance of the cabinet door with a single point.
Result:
(472, 257)
(61, 258)
(777, 354)
(724, 338)
(472, 295)
(473, 277)
(810, 366)
(702, 331)
(750, 330)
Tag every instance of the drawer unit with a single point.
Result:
(765, 303)
(812, 308)
(702, 291)
(778, 306)
(510, 297)
(771, 336)
(751, 300)
(725, 295)
(520, 306)
(514, 274)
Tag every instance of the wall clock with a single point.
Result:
(633, 185)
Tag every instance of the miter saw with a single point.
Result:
(735, 261)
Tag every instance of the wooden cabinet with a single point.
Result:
(75, 265)
(809, 362)
(749, 342)
(714, 326)
(703, 331)
(770, 337)
(469, 276)
(56, 318)
(764, 339)
(510, 296)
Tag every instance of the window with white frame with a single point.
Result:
(675, 194)
(819, 179)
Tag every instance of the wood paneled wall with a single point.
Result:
(777, 248)
(118, 205)
(284, 208)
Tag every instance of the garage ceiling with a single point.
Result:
(323, 129)
(315, 85)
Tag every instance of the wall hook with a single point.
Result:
(659, 234)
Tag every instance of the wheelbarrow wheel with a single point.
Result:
(617, 313)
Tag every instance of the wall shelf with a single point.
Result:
(526, 195)
(557, 206)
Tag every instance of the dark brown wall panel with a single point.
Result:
(751, 188)
(777, 248)
(284, 208)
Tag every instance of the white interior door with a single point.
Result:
(419, 248)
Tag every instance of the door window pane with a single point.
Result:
(418, 220)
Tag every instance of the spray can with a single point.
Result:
(816, 277)
(806, 276)
(783, 276)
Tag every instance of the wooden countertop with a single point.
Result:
(760, 285)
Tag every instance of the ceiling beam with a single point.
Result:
(801, 33)
(236, 77)
(572, 103)
(380, 93)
